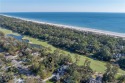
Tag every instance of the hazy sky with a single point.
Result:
(62, 5)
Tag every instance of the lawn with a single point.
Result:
(49, 82)
(96, 65)
(6, 31)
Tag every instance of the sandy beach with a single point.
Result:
(84, 29)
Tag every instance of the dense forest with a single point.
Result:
(20, 60)
(96, 46)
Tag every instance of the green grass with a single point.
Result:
(6, 31)
(96, 65)
(49, 82)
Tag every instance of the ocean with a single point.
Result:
(114, 22)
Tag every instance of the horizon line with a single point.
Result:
(58, 12)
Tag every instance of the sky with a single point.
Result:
(62, 5)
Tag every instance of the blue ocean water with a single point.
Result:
(114, 22)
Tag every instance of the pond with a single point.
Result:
(20, 38)
(15, 36)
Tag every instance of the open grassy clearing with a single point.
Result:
(96, 65)
(6, 31)
(49, 82)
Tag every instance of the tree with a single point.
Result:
(35, 67)
(104, 54)
(72, 76)
(77, 57)
(109, 75)
(42, 71)
(121, 79)
(2, 34)
(121, 63)
(86, 71)
(5, 78)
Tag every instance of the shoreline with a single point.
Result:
(84, 29)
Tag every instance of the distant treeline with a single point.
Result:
(102, 47)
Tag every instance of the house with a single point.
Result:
(17, 52)
(118, 56)
(97, 80)
(10, 57)
(16, 63)
(28, 50)
(20, 54)
(35, 53)
(19, 80)
(7, 54)
(60, 72)
(57, 77)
